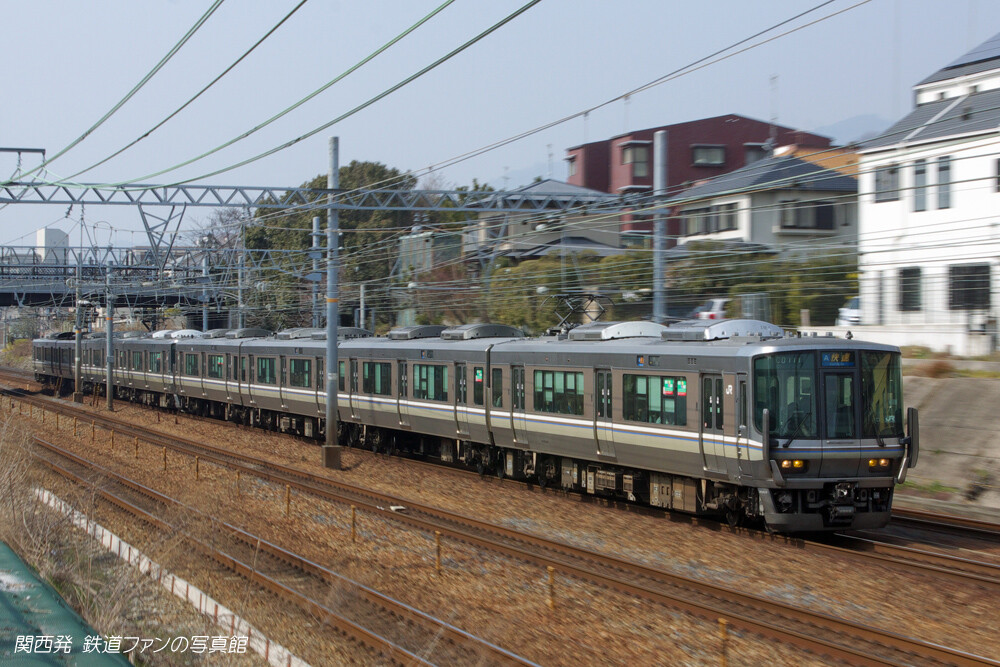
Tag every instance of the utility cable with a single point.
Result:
(196, 96)
(170, 54)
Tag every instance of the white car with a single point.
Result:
(850, 314)
(713, 309)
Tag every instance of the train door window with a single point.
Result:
(718, 403)
(477, 385)
(191, 365)
(839, 391)
(229, 367)
(496, 387)
(320, 381)
(266, 370)
(460, 384)
(300, 372)
(282, 378)
(341, 386)
(173, 359)
(403, 378)
(742, 406)
(602, 394)
(215, 369)
(517, 387)
(243, 369)
(354, 375)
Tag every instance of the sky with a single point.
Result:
(67, 64)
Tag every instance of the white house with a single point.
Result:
(781, 202)
(929, 213)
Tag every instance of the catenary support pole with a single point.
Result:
(331, 457)
(659, 225)
(78, 330)
(109, 332)
(316, 234)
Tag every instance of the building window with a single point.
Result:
(638, 157)
(944, 181)
(909, 289)
(708, 156)
(969, 287)
(727, 217)
(571, 167)
(920, 185)
(887, 183)
(807, 215)
(754, 153)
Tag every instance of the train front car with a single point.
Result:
(829, 413)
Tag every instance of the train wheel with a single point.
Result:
(733, 517)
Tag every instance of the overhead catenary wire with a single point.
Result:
(135, 89)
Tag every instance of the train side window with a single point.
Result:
(496, 387)
(340, 380)
(559, 392)
(216, 367)
(243, 369)
(155, 362)
(376, 378)
(477, 385)
(191, 365)
(402, 377)
(266, 370)
(300, 372)
(430, 382)
(654, 399)
(137, 361)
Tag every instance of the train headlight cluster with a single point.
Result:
(879, 464)
(793, 465)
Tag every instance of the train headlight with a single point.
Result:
(879, 464)
(796, 465)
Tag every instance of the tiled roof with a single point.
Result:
(943, 118)
(773, 173)
(984, 57)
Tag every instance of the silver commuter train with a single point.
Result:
(730, 418)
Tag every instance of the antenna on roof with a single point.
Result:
(772, 140)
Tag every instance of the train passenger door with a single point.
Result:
(320, 387)
(518, 420)
(461, 401)
(352, 394)
(712, 421)
(743, 426)
(402, 393)
(603, 424)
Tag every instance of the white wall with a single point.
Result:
(894, 236)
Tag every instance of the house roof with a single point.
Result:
(979, 112)
(541, 194)
(984, 57)
(774, 173)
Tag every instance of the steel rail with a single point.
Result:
(547, 552)
(496, 655)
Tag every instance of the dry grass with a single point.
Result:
(939, 368)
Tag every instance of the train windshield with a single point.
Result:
(854, 388)
(786, 385)
(881, 395)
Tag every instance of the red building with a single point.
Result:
(696, 150)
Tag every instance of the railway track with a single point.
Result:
(388, 627)
(817, 633)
